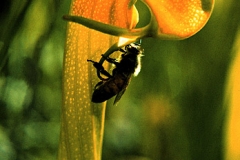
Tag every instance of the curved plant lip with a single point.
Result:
(178, 20)
(106, 28)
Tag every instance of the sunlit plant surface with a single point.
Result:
(174, 109)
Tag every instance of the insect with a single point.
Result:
(117, 83)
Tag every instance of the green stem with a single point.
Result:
(110, 29)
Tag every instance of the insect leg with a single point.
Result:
(100, 69)
(111, 60)
(112, 49)
(121, 50)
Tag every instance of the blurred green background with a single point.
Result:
(174, 109)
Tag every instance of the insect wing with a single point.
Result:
(119, 95)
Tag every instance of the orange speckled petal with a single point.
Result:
(181, 18)
(83, 121)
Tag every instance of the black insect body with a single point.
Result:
(117, 83)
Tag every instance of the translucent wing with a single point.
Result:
(119, 95)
